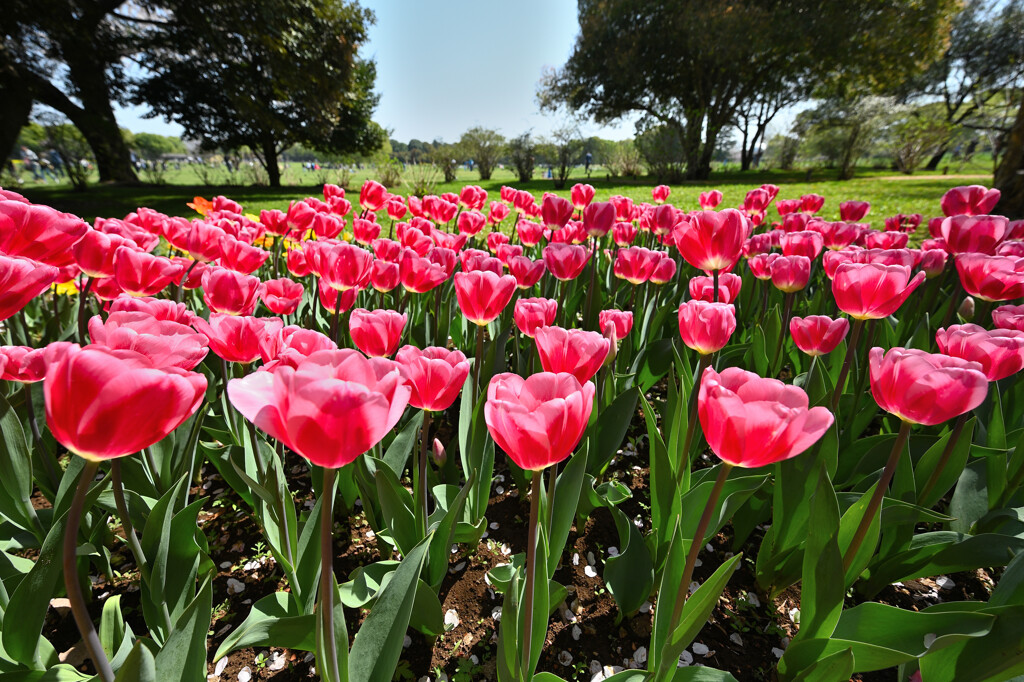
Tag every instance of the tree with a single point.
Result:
(662, 151)
(521, 151)
(265, 75)
(754, 115)
(67, 54)
(1009, 176)
(152, 146)
(843, 129)
(915, 134)
(984, 57)
(484, 146)
(690, 64)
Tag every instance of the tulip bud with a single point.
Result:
(440, 455)
(966, 309)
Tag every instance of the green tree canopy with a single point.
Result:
(267, 75)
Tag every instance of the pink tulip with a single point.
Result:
(555, 211)
(853, 211)
(331, 392)
(473, 197)
(624, 234)
(761, 265)
(873, 239)
(565, 261)
(618, 321)
(581, 195)
(482, 296)
(290, 345)
(973, 234)
(1009, 317)
(227, 291)
(166, 343)
(580, 353)
(530, 314)
(282, 296)
(870, 291)
(39, 232)
(925, 388)
(377, 332)
(702, 288)
(372, 196)
(709, 200)
(527, 272)
(161, 309)
(664, 272)
(598, 218)
(1000, 352)
(21, 280)
(791, 273)
(817, 334)
(334, 301)
(635, 264)
(714, 240)
(23, 364)
(706, 327)
(236, 338)
(141, 274)
(969, 200)
(753, 422)
(991, 278)
(471, 222)
(435, 375)
(805, 243)
(103, 403)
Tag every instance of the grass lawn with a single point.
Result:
(888, 192)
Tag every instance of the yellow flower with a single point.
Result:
(69, 288)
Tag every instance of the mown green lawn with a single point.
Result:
(888, 192)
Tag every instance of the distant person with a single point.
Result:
(31, 162)
(587, 161)
(57, 162)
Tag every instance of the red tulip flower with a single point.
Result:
(227, 291)
(327, 225)
(39, 232)
(530, 314)
(870, 291)
(817, 334)
(580, 353)
(166, 343)
(805, 243)
(753, 422)
(635, 264)
(664, 272)
(23, 364)
(853, 211)
(435, 375)
(710, 200)
(529, 232)
(624, 208)
(791, 273)
(419, 275)
(103, 403)
(241, 257)
(811, 203)
(925, 388)
(237, 338)
(160, 308)
(333, 407)
(933, 263)
(1000, 352)
(761, 265)
(21, 280)
(482, 296)
(365, 231)
(702, 288)
(334, 301)
(598, 218)
(1009, 317)
(714, 240)
(345, 266)
(377, 332)
(473, 197)
(296, 263)
(291, 345)
(527, 272)
(372, 196)
(555, 211)
(203, 241)
(384, 276)
(282, 296)
(973, 234)
(141, 274)
(94, 252)
(565, 261)
(969, 200)
(624, 234)
(838, 235)
(706, 327)
(538, 421)
(620, 322)
(498, 212)
(991, 278)
(496, 239)
(581, 195)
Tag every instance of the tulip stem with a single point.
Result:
(552, 481)
(327, 577)
(82, 298)
(48, 458)
(478, 362)
(876, 498)
(787, 310)
(593, 279)
(71, 583)
(944, 459)
(531, 575)
(691, 422)
(714, 285)
(421, 475)
(851, 350)
(862, 376)
(697, 543)
(810, 374)
(179, 294)
(126, 522)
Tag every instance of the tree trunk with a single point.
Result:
(745, 156)
(936, 159)
(690, 138)
(1009, 176)
(270, 162)
(15, 107)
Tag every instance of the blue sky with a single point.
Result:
(443, 67)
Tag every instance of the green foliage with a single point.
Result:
(484, 147)
(521, 152)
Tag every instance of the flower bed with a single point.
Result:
(516, 439)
